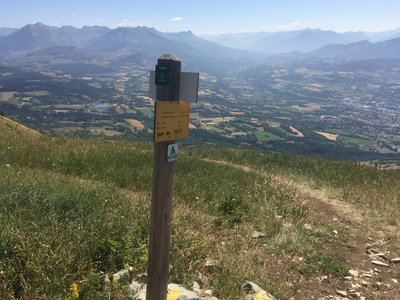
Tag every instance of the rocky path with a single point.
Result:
(364, 244)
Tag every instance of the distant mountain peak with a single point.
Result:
(39, 25)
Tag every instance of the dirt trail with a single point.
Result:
(359, 240)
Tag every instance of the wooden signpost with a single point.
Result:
(171, 122)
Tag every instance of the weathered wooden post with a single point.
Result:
(167, 80)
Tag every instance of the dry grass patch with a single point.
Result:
(307, 107)
(37, 93)
(329, 136)
(296, 131)
(135, 123)
(104, 131)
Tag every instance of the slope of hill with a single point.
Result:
(61, 54)
(71, 209)
(6, 31)
(361, 50)
(384, 35)
(10, 129)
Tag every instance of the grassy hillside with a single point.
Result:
(10, 130)
(71, 208)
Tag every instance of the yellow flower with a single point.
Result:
(74, 291)
(115, 281)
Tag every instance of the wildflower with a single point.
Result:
(115, 281)
(74, 291)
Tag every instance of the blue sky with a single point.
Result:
(207, 16)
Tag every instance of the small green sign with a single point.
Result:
(162, 75)
(172, 152)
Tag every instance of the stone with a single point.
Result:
(395, 281)
(364, 283)
(371, 250)
(396, 260)
(196, 288)
(201, 277)
(253, 292)
(356, 295)
(367, 275)
(257, 235)
(210, 263)
(322, 278)
(135, 286)
(341, 293)
(141, 294)
(181, 293)
(307, 227)
(355, 286)
(121, 276)
(354, 273)
(175, 291)
(381, 255)
(348, 278)
(379, 263)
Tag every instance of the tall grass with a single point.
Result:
(70, 208)
(373, 189)
(58, 229)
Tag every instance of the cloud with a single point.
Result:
(72, 16)
(294, 25)
(99, 20)
(176, 19)
(127, 23)
(130, 23)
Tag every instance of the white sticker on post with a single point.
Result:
(172, 152)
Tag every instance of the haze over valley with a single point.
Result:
(305, 91)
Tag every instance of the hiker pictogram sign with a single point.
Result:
(172, 152)
(171, 120)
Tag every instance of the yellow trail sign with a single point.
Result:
(171, 120)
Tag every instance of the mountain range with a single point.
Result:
(304, 40)
(39, 42)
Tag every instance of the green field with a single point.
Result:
(147, 112)
(348, 137)
(263, 136)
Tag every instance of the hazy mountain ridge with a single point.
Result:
(39, 43)
(361, 50)
(123, 41)
(37, 36)
(7, 31)
(304, 40)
